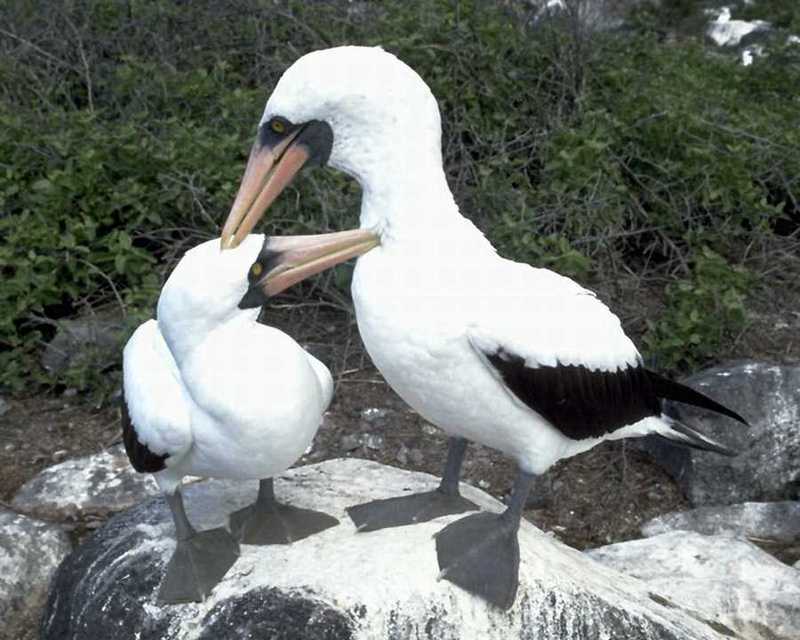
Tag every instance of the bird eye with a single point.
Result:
(256, 269)
(277, 126)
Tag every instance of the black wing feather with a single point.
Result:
(671, 390)
(578, 401)
(587, 403)
(142, 459)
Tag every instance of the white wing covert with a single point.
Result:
(156, 417)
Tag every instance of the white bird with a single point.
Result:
(517, 358)
(210, 392)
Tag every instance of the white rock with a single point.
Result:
(728, 581)
(340, 584)
(729, 33)
(774, 521)
(749, 54)
(97, 485)
(30, 552)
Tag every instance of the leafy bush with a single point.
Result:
(124, 128)
(701, 311)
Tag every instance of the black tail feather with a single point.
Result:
(671, 390)
(690, 438)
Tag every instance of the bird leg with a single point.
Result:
(268, 521)
(201, 558)
(480, 553)
(418, 507)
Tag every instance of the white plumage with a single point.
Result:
(210, 392)
(520, 359)
(220, 394)
(435, 297)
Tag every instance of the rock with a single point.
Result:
(75, 339)
(97, 485)
(589, 15)
(371, 414)
(4, 406)
(768, 465)
(731, 583)
(350, 442)
(340, 584)
(30, 552)
(769, 521)
(725, 32)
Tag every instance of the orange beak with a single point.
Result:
(269, 170)
(286, 260)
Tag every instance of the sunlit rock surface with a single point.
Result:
(30, 552)
(773, 521)
(341, 584)
(731, 583)
(97, 485)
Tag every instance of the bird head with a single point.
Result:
(357, 109)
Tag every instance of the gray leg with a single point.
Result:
(480, 553)
(418, 507)
(200, 561)
(268, 521)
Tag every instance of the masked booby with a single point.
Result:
(517, 358)
(210, 392)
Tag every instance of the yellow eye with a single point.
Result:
(277, 126)
(256, 269)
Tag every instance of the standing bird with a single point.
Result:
(520, 359)
(210, 392)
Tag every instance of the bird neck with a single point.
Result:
(407, 202)
(184, 330)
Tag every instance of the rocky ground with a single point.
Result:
(596, 499)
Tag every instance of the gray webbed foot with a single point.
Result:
(268, 521)
(404, 510)
(197, 566)
(480, 554)
(277, 524)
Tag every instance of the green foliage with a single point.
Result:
(124, 127)
(702, 312)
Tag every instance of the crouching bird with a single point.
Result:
(210, 392)
(517, 358)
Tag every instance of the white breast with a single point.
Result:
(258, 402)
(413, 324)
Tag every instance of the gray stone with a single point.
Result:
(768, 465)
(30, 552)
(588, 15)
(96, 486)
(4, 406)
(341, 584)
(77, 340)
(372, 414)
(725, 32)
(769, 521)
(731, 583)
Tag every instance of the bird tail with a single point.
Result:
(679, 433)
(671, 390)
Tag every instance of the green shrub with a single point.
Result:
(124, 128)
(702, 312)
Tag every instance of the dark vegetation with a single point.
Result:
(646, 164)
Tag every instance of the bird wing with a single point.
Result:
(561, 352)
(156, 416)
(325, 380)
